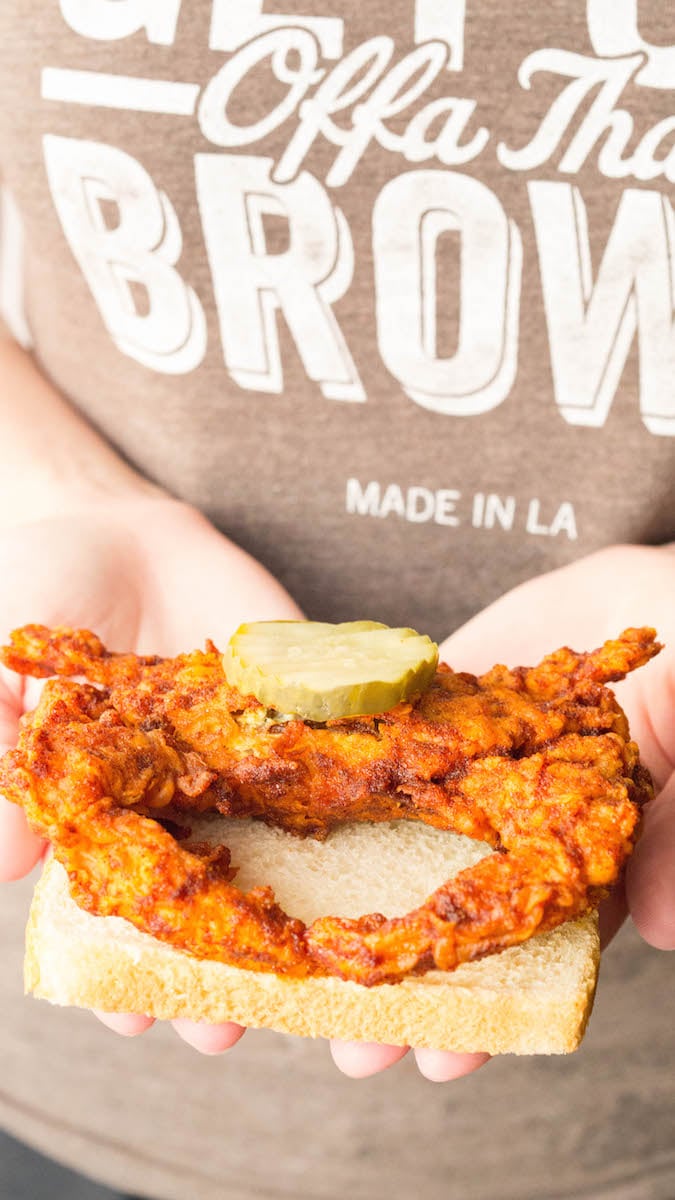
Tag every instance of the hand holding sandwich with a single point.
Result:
(160, 588)
(579, 605)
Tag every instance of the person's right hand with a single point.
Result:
(581, 605)
(148, 575)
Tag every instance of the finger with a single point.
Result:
(441, 1065)
(360, 1059)
(208, 1039)
(650, 875)
(20, 849)
(126, 1024)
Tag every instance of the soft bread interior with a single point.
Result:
(534, 998)
(359, 868)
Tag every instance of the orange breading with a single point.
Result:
(537, 762)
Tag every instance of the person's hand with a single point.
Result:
(581, 606)
(149, 575)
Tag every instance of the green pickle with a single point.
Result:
(321, 672)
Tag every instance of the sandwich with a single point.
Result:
(326, 832)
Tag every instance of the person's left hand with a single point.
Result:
(581, 606)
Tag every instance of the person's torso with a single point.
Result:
(385, 289)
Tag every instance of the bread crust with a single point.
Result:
(530, 999)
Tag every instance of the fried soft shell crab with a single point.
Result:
(537, 762)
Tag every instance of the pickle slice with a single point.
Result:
(321, 672)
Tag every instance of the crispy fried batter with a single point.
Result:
(537, 762)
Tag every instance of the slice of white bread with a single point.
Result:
(530, 999)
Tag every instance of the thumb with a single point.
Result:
(650, 876)
(20, 849)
